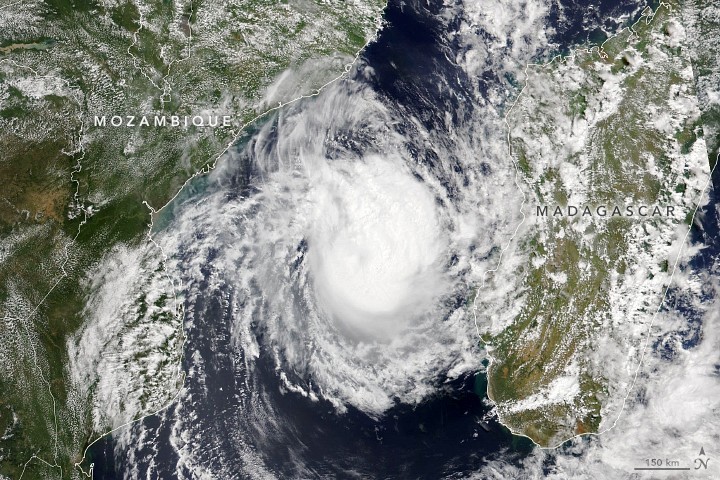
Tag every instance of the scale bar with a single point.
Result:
(662, 468)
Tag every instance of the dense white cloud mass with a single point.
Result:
(374, 247)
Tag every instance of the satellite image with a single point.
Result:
(359, 239)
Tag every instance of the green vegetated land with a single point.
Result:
(73, 190)
(612, 126)
(705, 22)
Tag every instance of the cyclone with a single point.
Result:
(350, 265)
(375, 248)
